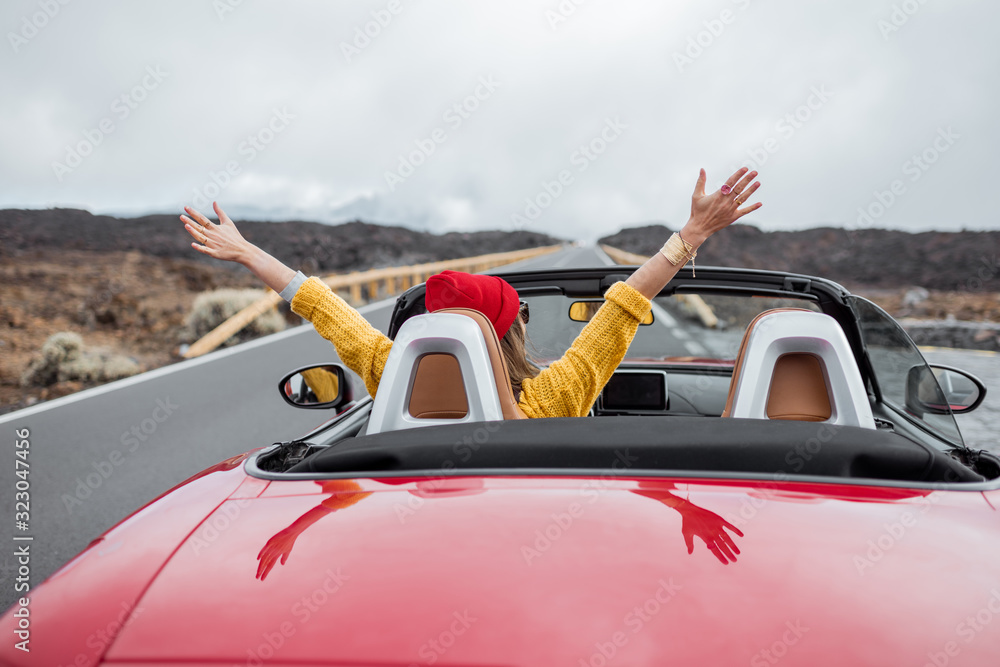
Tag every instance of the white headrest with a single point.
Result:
(434, 333)
(796, 331)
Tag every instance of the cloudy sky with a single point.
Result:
(570, 118)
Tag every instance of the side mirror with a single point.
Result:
(320, 386)
(942, 390)
(962, 390)
(584, 311)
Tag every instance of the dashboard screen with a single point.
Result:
(636, 391)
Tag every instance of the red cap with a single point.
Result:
(490, 295)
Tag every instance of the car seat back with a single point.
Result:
(445, 367)
(797, 364)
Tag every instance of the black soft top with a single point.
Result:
(663, 444)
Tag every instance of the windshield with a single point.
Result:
(686, 327)
(895, 360)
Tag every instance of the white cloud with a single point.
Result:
(556, 88)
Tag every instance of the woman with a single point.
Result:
(568, 387)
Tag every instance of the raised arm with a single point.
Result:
(709, 214)
(224, 241)
(569, 386)
(363, 348)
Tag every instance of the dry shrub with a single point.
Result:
(63, 358)
(211, 309)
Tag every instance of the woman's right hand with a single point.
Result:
(221, 241)
(224, 241)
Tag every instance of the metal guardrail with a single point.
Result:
(697, 304)
(374, 283)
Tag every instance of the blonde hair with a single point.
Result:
(515, 356)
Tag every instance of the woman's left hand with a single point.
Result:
(712, 212)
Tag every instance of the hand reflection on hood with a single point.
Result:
(343, 494)
(696, 521)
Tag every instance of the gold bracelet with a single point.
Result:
(678, 251)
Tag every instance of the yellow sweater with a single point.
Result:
(323, 383)
(567, 388)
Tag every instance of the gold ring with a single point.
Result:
(739, 202)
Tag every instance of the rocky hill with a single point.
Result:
(866, 258)
(314, 247)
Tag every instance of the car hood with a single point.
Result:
(547, 571)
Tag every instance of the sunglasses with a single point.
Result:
(523, 310)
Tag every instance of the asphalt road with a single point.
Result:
(98, 455)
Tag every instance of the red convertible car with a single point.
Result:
(774, 474)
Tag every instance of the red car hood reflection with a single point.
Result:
(520, 571)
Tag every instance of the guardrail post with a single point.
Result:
(355, 289)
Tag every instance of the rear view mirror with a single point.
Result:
(942, 390)
(319, 386)
(584, 311)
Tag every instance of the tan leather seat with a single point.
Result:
(438, 390)
(798, 389)
(804, 364)
(741, 354)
